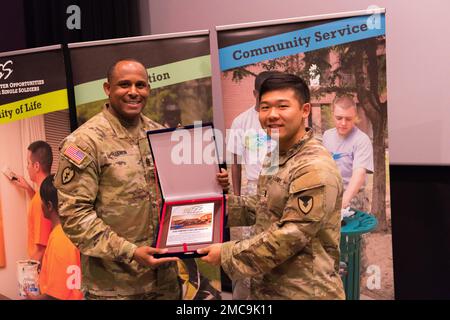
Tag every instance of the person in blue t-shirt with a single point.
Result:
(352, 150)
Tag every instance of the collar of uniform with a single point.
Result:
(118, 128)
(296, 147)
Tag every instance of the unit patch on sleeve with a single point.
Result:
(67, 175)
(305, 203)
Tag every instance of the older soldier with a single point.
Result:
(295, 253)
(108, 200)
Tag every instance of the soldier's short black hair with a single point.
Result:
(42, 152)
(113, 66)
(48, 192)
(282, 80)
(262, 76)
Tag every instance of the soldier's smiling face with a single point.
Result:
(128, 90)
(282, 114)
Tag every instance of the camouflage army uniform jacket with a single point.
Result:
(296, 212)
(109, 205)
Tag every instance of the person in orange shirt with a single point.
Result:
(60, 276)
(39, 161)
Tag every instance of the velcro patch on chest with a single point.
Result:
(75, 154)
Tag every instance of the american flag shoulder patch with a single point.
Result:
(75, 154)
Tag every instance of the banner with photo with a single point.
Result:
(33, 107)
(33, 96)
(179, 69)
(338, 55)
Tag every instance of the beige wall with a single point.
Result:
(14, 205)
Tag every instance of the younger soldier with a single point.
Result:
(296, 212)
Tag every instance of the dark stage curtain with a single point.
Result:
(420, 231)
(45, 21)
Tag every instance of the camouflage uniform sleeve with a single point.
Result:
(311, 202)
(241, 210)
(77, 184)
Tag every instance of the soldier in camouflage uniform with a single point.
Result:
(108, 198)
(296, 212)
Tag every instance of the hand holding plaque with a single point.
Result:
(193, 201)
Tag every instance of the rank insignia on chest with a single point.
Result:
(75, 154)
(305, 203)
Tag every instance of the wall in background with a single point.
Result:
(12, 26)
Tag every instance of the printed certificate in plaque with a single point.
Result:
(191, 224)
(193, 202)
